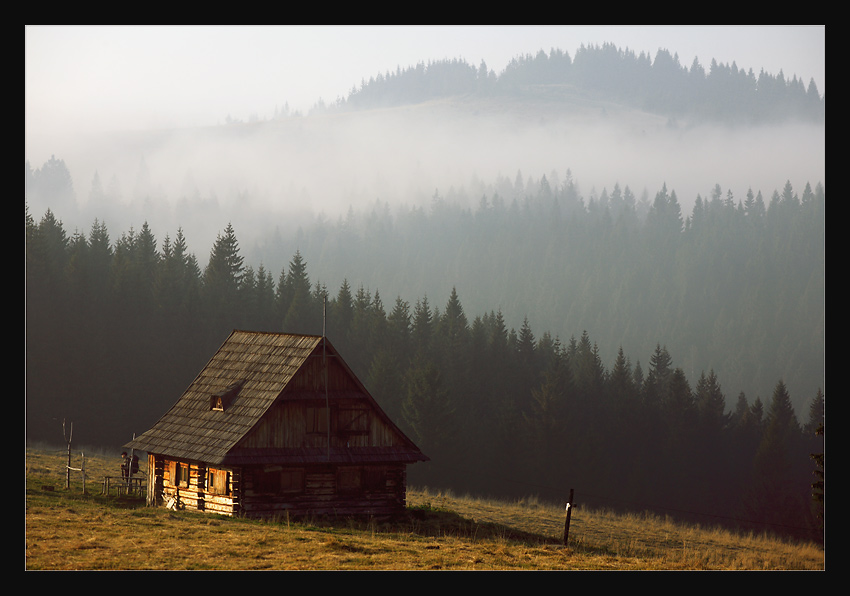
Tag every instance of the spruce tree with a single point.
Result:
(777, 499)
(426, 409)
(340, 317)
(658, 378)
(710, 402)
(222, 280)
(300, 315)
(422, 329)
(818, 485)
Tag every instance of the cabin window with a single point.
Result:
(374, 478)
(278, 480)
(267, 481)
(291, 481)
(368, 478)
(216, 403)
(181, 474)
(317, 419)
(348, 479)
(217, 481)
(353, 421)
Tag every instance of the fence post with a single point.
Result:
(68, 437)
(567, 522)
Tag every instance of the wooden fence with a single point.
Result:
(136, 485)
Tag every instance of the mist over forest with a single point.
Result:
(453, 128)
(283, 174)
(678, 214)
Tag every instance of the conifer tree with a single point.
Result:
(341, 316)
(147, 259)
(777, 496)
(620, 382)
(818, 484)
(222, 280)
(248, 303)
(391, 360)
(100, 261)
(588, 372)
(78, 271)
(816, 414)
(451, 335)
(658, 378)
(710, 403)
(177, 284)
(363, 325)
(546, 419)
(679, 407)
(264, 301)
(422, 328)
(47, 255)
(300, 314)
(527, 354)
(426, 408)
(398, 329)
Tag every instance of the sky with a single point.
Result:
(95, 78)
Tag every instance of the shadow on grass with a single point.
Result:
(426, 521)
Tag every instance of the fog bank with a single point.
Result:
(280, 174)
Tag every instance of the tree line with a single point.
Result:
(115, 330)
(737, 285)
(722, 92)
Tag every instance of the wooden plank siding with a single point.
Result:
(303, 423)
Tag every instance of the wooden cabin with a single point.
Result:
(274, 424)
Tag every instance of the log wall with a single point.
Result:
(328, 490)
(185, 485)
(277, 491)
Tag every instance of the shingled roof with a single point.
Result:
(249, 372)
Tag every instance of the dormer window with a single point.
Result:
(219, 401)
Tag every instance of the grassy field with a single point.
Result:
(69, 530)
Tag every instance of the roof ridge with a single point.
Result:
(252, 332)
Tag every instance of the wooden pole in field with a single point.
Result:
(68, 437)
(567, 522)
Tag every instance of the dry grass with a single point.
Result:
(66, 530)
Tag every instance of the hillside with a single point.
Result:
(66, 530)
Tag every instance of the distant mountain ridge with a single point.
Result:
(720, 93)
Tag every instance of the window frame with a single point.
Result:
(355, 479)
(218, 481)
(180, 476)
(319, 419)
(279, 481)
